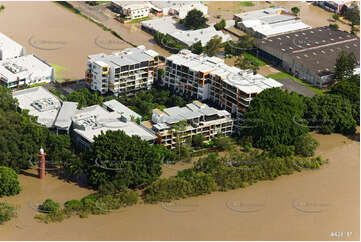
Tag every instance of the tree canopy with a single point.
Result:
(9, 183)
(270, 120)
(345, 65)
(195, 20)
(213, 45)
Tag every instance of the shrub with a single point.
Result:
(73, 205)
(50, 206)
(283, 150)
(306, 145)
(129, 198)
(9, 183)
(6, 212)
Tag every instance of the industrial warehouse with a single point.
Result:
(310, 54)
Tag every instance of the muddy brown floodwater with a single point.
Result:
(304, 206)
(56, 35)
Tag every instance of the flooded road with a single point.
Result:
(304, 206)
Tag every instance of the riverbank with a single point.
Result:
(303, 206)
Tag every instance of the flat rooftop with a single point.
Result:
(164, 25)
(29, 66)
(118, 107)
(204, 35)
(41, 103)
(92, 120)
(67, 110)
(9, 45)
(128, 56)
(175, 114)
(244, 80)
(315, 48)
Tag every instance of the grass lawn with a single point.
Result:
(282, 75)
(246, 4)
(58, 70)
(255, 59)
(140, 19)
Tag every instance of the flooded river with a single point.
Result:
(304, 206)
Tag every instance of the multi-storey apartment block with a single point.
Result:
(126, 72)
(209, 78)
(200, 120)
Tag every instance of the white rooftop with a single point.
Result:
(190, 37)
(118, 107)
(40, 103)
(244, 80)
(29, 67)
(91, 121)
(9, 48)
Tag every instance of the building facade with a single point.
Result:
(132, 9)
(122, 73)
(198, 118)
(210, 79)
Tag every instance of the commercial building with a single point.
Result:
(41, 103)
(64, 119)
(126, 72)
(91, 121)
(170, 27)
(177, 9)
(9, 48)
(310, 54)
(115, 106)
(200, 120)
(269, 22)
(209, 78)
(334, 6)
(132, 9)
(25, 70)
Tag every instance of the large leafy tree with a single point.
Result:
(345, 65)
(244, 43)
(330, 114)
(9, 183)
(123, 160)
(213, 45)
(349, 89)
(274, 118)
(353, 14)
(195, 20)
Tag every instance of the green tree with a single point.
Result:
(350, 90)
(123, 160)
(334, 26)
(295, 10)
(345, 65)
(195, 20)
(245, 63)
(197, 140)
(270, 120)
(335, 17)
(244, 43)
(220, 25)
(6, 212)
(9, 182)
(330, 114)
(222, 142)
(197, 48)
(306, 145)
(213, 45)
(353, 14)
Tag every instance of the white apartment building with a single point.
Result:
(133, 9)
(209, 78)
(25, 70)
(199, 117)
(126, 72)
(9, 48)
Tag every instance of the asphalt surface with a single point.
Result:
(291, 85)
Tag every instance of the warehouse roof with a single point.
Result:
(163, 25)
(316, 48)
(40, 103)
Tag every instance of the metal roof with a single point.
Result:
(67, 110)
(118, 107)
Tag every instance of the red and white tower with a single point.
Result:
(41, 166)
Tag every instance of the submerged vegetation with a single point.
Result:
(7, 212)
